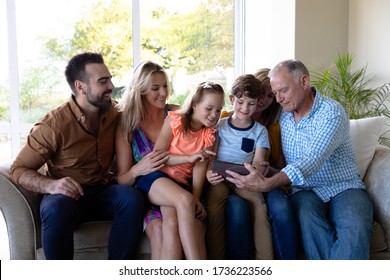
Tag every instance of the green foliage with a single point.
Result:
(106, 30)
(351, 88)
(3, 113)
(38, 92)
(197, 41)
(117, 93)
(33, 87)
(177, 99)
(4, 103)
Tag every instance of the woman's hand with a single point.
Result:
(151, 162)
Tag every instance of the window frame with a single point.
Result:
(15, 128)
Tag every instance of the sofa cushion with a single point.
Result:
(365, 134)
(378, 239)
(92, 238)
(377, 181)
(92, 235)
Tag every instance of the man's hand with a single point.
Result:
(66, 186)
(254, 181)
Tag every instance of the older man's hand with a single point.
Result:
(254, 181)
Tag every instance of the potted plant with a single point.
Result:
(351, 88)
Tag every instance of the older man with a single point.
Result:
(333, 209)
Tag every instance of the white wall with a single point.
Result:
(369, 37)
(315, 31)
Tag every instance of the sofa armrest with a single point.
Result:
(21, 213)
(377, 180)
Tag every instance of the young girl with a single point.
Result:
(188, 136)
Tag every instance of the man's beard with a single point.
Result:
(98, 101)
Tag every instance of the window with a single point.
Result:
(193, 40)
(5, 136)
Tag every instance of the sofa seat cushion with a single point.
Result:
(92, 235)
(378, 239)
(91, 239)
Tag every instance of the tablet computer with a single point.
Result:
(220, 167)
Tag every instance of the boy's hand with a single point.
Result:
(200, 212)
(263, 167)
(214, 178)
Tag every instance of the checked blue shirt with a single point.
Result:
(318, 150)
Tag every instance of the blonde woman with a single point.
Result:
(144, 109)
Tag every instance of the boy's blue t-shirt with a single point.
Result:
(238, 145)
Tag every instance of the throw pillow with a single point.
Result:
(365, 134)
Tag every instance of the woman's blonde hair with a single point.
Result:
(195, 98)
(131, 104)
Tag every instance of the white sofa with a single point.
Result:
(21, 208)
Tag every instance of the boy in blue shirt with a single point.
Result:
(240, 139)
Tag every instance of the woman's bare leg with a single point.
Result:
(201, 233)
(155, 234)
(165, 192)
(171, 244)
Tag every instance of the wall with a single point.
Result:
(321, 31)
(369, 40)
(315, 31)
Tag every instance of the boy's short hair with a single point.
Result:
(247, 85)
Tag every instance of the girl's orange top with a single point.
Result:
(186, 144)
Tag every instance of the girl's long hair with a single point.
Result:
(195, 98)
